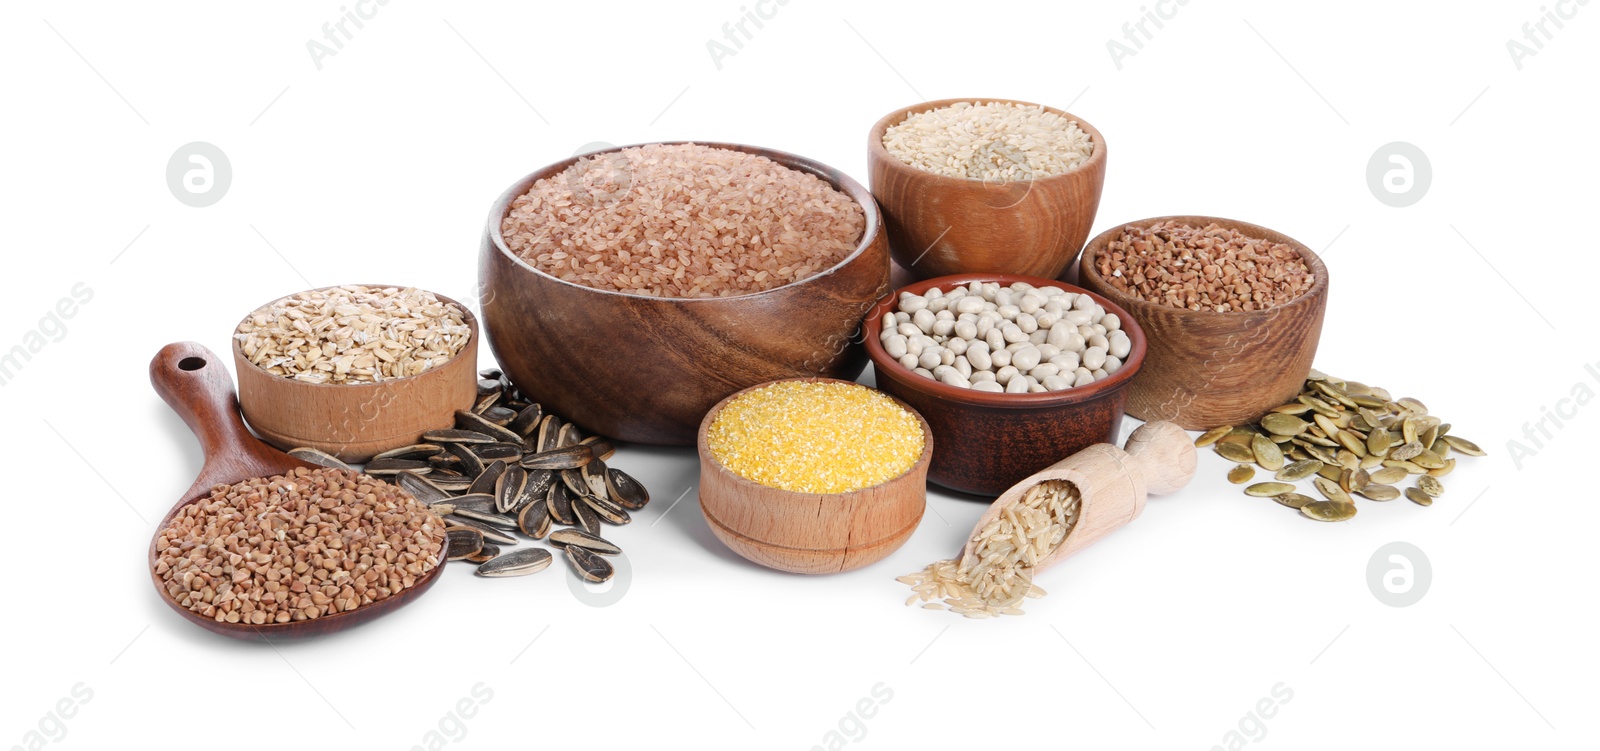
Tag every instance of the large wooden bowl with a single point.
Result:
(355, 421)
(988, 442)
(646, 369)
(811, 533)
(941, 225)
(1206, 368)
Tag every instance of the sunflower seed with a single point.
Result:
(494, 520)
(570, 457)
(548, 434)
(476, 423)
(517, 563)
(490, 534)
(462, 542)
(485, 482)
(1241, 474)
(608, 511)
(1415, 495)
(420, 487)
(1328, 511)
(511, 490)
(457, 436)
(390, 467)
(1269, 489)
(560, 502)
(582, 539)
(626, 491)
(1297, 471)
(601, 447)
(526, 420)
(414, 451)
(534, 519)
(488, 551)
(588, 519)
(569, 435)
(1210, 436)
(477, 502)
(491, 451)
(594, 475)
(471, 464)
(589, 566)
(499, 415)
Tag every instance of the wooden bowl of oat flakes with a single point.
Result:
(355, 370)
(1232, 313)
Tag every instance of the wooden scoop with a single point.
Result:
(194, 382)
(1111, 482)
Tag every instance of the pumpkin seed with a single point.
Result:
(1406, 451)
(1268, 455)
(1283, 424)
(1241, 474)
(1377, 492)
(1331, 490)
(1328, 511)
(1210, 436)
(1233, 452)
(1387, 475)
(1297, 471)
(1294, 500)
(1449, 465)
(1418, 497)
(1269, 489)
(1463, 445)
(1430, 485)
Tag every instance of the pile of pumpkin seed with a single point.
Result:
(1349, 439)
(509, 467)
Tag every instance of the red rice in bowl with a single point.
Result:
(682, 221)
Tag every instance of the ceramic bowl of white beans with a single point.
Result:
(1012, 373)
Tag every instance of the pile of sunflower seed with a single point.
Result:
(1348, 438)
(509, 467)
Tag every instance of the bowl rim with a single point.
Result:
(1319, 271)
(876, 149)
(881, 361)
(472, 339)
(835, 178)
(703, 445)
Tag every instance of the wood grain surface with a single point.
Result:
(646, 369)
(194, 382)
(939, 225)
(1205, 368)
(811, 533)
(355, 421)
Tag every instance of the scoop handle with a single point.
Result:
(195, 383)
(1164, 454)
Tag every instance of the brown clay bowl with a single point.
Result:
(940, 225)
(811, 533)
(988, 442)
(646, 369)
(1206, 368)
(357, 421)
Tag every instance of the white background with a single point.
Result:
(381, 166)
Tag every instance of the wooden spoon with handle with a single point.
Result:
(194, 382)
(1112, 484)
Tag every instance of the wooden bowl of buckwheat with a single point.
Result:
(1232, 312)
(355, 370)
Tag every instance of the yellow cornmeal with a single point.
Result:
(815, 437)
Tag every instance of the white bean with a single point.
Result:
(1084, 302)
(1030, 303)
(914, 345)
(957, 345)
(924, 372)
(966, 330)
(1120, 345)
(963, 367)
(890, 323)
(979, 357)
(1000, 357)
(1012, 333)
(1100, 373)
(1002, 298)
(939, 304)
(1005, 374)
(1044, 370)
(969, 304)
(908, 329)
(933, 292)
(955, 379)
(943, 315)
(989, 386)
(902, 317)
(896, 346)
(982, 375)
(910, 361)
(1009, 312)
(943, 328)
(1067, 361)
(1036, 388)
(1094, 357)
(1027, 323)
(1082, 377)
(923, 319)
(996, 339)
(1018, 385)
(1048, 350)
(910, 303)
(1078, 317)
(1056, 383)
(1113, 364)
(938, 372)
(1112, 322)
(1046, 319)
(1026, 358)
(946, 356)
(1038, 336)
(930, 357)
(1099, 340)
